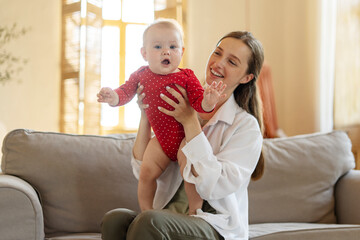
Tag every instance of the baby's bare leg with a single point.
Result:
(195, 201)
(154, 163)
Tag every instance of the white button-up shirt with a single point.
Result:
(224, 155)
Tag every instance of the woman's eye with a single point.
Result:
(232, 62)
(216, 53)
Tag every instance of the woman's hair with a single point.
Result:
(246, 95)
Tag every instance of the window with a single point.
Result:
(123, 26)
(80, 66)
(347, 64)
(101, 42)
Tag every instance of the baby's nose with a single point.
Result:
(166, 52)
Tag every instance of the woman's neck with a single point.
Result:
(205, 117)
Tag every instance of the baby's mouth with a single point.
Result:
(165, 62)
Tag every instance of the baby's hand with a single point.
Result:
(107, 95)
(212, 95)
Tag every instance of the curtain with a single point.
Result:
(347, 64)
(347, 73)
(80, 66)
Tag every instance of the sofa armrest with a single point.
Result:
(347, 198)
(21, 215)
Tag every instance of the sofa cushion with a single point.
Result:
(300, 231)
(299, 178)
(78, 177)
(77, 236)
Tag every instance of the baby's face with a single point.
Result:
(162, 49)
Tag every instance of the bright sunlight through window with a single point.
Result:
(124, 24)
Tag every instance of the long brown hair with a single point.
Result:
(246, 95)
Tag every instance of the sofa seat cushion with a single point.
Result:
(299, 178)
(77, 236)
(301, 231)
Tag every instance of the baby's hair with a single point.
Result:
(166, 22)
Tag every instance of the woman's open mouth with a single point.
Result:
(216, 73)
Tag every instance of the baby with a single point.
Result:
(162, 49)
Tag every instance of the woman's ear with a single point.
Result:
(143, 53)
(247, 78)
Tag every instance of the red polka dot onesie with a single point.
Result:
(168, 131)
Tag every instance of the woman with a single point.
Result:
(220, 155)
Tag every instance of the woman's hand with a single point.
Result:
(183, 112)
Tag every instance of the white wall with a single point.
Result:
(207, 22)
(292, 44)
(289, 31)
(34, 101)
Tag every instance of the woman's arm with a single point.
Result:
(144, 133)
(183, 113)
(224, 166)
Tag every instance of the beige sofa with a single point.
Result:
(58, 186)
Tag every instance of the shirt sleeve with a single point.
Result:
(225, 172)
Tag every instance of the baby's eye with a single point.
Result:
(173, 47)
(157, 46)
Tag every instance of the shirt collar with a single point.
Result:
(226, 113)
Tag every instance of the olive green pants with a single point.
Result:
(121, 224)
(172, 223)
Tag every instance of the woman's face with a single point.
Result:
(229, 63)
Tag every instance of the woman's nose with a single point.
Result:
(219, 63)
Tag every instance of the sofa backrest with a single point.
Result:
(78, 177)
(299, 179)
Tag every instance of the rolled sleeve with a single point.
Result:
(191, 148)
(199, 153)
